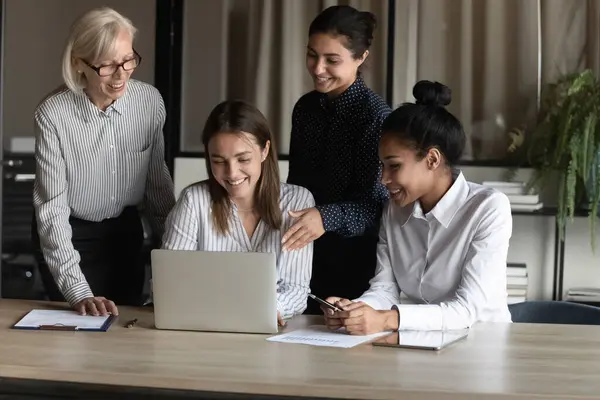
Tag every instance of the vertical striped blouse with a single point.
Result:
(190, 227)
(91, 164)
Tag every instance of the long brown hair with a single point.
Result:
(240, 116)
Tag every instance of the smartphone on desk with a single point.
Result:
(325, 303)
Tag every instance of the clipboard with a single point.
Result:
(63, 320)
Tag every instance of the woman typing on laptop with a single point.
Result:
(243, 206)
(443, 241)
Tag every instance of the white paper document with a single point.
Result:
(39, 318)
(319, 335)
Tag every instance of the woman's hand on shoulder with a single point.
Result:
(307, 228)
(96, 306)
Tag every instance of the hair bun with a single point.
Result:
(432, 94)
(369, 19)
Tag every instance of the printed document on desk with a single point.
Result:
(319, 335)
(63, 320)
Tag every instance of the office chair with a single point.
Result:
(555, 312)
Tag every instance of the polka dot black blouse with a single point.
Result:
(334, 154)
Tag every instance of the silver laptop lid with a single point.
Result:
(215, 291)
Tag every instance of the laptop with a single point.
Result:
(214, 291)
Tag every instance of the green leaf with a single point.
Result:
(569, 193)
(588, 147)
(560, 215)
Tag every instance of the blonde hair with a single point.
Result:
(92, 38)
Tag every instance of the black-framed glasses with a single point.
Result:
(108, 70)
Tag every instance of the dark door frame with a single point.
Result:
(2, 25)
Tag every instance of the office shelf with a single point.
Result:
(559, 245)
(551, 212)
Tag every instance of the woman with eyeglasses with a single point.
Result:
(99, 154)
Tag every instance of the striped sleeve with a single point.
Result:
(52, 213)
(181, 226)
(159, 196)
(295, 266)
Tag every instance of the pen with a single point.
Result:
(325, 303)
(131, 323)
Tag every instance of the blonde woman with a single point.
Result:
(100, 158)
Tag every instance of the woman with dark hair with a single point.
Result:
(333, 152)
(243, 206)
(443, 241)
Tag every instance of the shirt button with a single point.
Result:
(114, 172)
(112, 146)
(112, 197)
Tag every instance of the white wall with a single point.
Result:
(532, 241)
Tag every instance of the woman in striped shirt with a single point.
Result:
(99, 155)
(243, 206)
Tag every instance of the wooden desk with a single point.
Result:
(497, 361)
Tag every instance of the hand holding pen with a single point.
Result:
(332, 307)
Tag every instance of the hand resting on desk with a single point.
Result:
(280, 320)
(359, 318)
(96, 306)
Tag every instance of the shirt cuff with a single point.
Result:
(331, 215)
(78, 292)
(426, 317)
(280, 309)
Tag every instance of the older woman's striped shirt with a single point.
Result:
(91, 164)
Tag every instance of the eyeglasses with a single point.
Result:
(108, 70)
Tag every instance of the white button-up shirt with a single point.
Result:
(449, 264)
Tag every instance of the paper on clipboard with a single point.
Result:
(63, 320)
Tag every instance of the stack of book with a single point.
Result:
(520, 199)
(516, 282)
(584, 295)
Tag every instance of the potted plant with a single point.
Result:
(564, 146)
